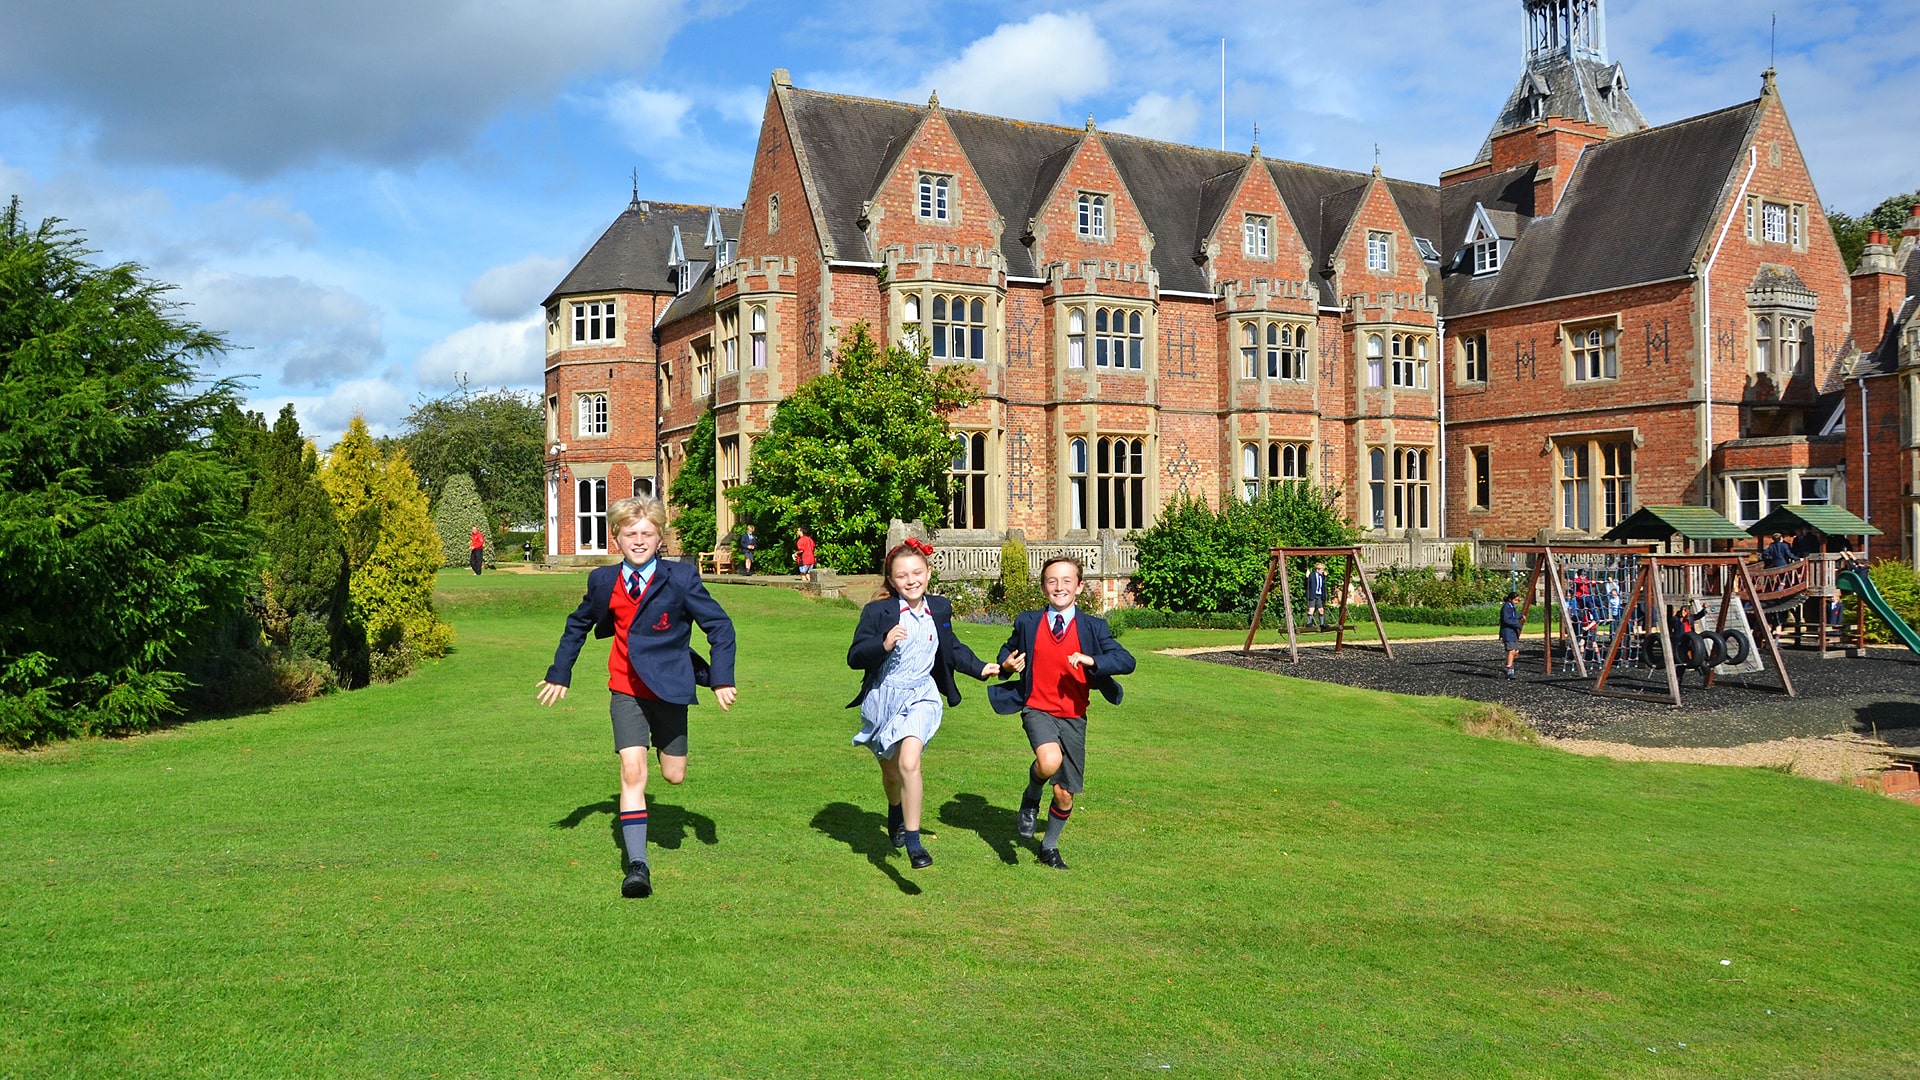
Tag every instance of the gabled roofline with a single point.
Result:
(1089, 134)
(782, 93)
(1376, 179)
(1480, 219)
(1256, 160)
(892, 159)
(1702, 249)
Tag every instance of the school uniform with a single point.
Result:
(1510, 625)
(1051, 695)
(652, 668)
(902, 688)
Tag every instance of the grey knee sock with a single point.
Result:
(1031, 796)
(1056, 820)
(633, 831)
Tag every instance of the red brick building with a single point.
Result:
(616, 326)
(1882, 406)
(1597, 314)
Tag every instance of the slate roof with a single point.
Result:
(1576, 88)
(632, 254)
(695, 299)
(1637, 210)
(846, 142)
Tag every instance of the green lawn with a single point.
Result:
(1271, 878)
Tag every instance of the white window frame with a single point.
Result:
(1773, 222)
(1093, 215)
(1593, 351)
(1077, 339)
(757, 336)
(590, 514)
(1119, 339)
(594, 321)
(960, 323)
(1379, 251)
(590, 408)
(729, 342)
(1376, 347)
(1473, 357)
(1486, 256)
(935, 197)
(1255, 236)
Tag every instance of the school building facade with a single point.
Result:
(1593, 315)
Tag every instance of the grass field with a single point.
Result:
(1271, 878)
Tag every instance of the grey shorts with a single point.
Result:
(647, 722)
(1043, 728)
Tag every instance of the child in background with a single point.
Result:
(1316, 586)
(1510, 627)
(803, 549)
(646, 605)
(1061, 653)
(906, 646)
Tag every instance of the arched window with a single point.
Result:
(1273, 350)
(1249, 351)
(1077, 477)
(1077, 338)
(1376, 360)
(1120, 466)
(1377, 485)
(1249, 470)
(1093, 216)
(773, 212)
(967, 488)
(1763, 344)
(933, 197)
(757, 321)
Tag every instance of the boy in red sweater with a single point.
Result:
(1061, 654)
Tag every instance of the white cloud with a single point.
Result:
(253, 90)
(1030, 69)
(1159, 116)
(324, 418)
(486, 354)
(306, 333)
(512, 290)
(664, 128)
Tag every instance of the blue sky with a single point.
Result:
(370, 198)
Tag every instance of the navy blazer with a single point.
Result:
(660, 639)
(869, 650)
(1096, 640)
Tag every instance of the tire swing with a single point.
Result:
(1738, 645)
(1714, 649)
(1689, 650)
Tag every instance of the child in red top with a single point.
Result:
(1062, 654)
(804, 548)
(477, 546)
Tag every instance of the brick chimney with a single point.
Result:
(1910, 232)
(1554, 145)
(1879, 288)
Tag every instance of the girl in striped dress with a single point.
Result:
(906, 646)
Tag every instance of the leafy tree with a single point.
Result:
(305, 580)
(1851, 232)
(853, 448)
(495, 437)
(392, 552)
(122, 535)
(455, 515)
(1196, 558)
(691, 495)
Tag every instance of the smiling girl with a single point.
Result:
(906, 646)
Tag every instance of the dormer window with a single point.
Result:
(1427, 250)
(1486, 256)
(1093, 216)
(934, 191)
(683, 279)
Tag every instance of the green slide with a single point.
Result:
(1857, 582)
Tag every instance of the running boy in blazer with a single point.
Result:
(1061, 654)
(646, 605)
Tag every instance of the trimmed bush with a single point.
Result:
(1196, 558)
(455, 516)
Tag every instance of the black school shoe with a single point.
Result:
(1029, 816)
(921, 859)
(900, 836)
(639, 883)
(1050, 856)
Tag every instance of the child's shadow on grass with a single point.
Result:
(993, 825)
(866, 833)
(667, 825)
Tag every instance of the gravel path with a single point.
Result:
(1845, 717)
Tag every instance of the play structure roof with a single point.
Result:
(1826, 520)
(1662, 522)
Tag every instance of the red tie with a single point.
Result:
(634, 586)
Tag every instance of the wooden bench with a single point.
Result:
(718, 561)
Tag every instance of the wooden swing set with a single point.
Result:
(1546, 569)
(1276, 566)
(1731, 581)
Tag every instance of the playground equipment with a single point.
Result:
(1668, 594)
(1277, 563)
(1603, 565)
(1855, 580)
(1802, 593)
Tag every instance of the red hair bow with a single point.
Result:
(917, 545)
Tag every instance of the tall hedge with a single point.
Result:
(123, 538)
(455, 516)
